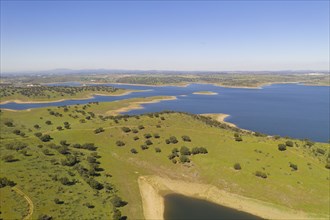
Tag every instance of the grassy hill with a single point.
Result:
(86, 167)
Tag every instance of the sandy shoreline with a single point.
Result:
(61, 100)
(205, 93)
(219, 117)
(153, 188)
(138, 105)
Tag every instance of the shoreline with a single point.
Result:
(153, 188)
(205, 93)
(220, 117)
(62, 100)
(138, 105)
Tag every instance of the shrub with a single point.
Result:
(147, 136)
(38, 134)
(140, 127)
(202, 150)
(167, 141)
(59, 128)
(175, 150)
(6, 182)
(184, 159)
(158, 150)
(69, 161)
(171, 156)
(320, 151)
(144, 147)
(98, 130)
(16, 131)
(238, 139)
(48, 122)
(174, 161)
(134, 130)
(117, 201)
(8, 158)
(125, 129)
(46, 152)
(237, 166)
(156, 135)
(186, 138)
(9, 124)
(281, 147)
(261, 174)
(294, 167)
(45, 217)
(134, 151)
(236, 135)
(148, 142)
(94, 184)
(57, 201)
(120, 143)
(327, 165)
(173, 140)
(289, 143)
(45, 138)
(136, 138)
(184, 151)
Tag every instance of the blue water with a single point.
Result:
(282, 109)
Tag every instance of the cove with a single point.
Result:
(292, 110)
(182, 207)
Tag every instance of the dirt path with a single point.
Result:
(29, 201)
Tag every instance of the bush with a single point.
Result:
(289, 143)
(238, 139)
(236, 135)
(294, 167)
(237, 166)
(184, 151)
(320, 151)
(48, 122)
(45, 217)
(174, 161)
(202, 150)
(281, 147)
(6, 182)
(261, 174)
(9, 124)
(46, 152)
(98, 130)
(147, 136)
(327, 165)
(186, 138)
(116, 214)
(171, 156)
(94, 184)
(173, 140)
(125, 129)
(175, 150)
(156, 135)
(117, 201)
(70, 160)
(59, 128)
(134, 151)
(16, 131)
(120, 143)
(144, 147)
(158, 150)
(148, 142)
(38, 134)
(57, 201)
(136, 138)
(45, 138)
(134, 130)
(141, 127)
(167, 141)
(184, 159)
(8, 158)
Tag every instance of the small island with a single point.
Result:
(205, 93)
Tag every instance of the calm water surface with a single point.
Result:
(182, 207)
(282, 109)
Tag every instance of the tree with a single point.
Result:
(237, 166)
(147, 136)
(120, 143)
(173, 140)
(281, 147)
(134, 151)
(117, 201)
(184, 151)
(184, 159)
(289, 143)
(261, 174)
(186, 138)
(45, 138)
(125, 129)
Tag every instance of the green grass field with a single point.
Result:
(39, 169)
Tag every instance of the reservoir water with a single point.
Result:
(181, 207)
(280, 109)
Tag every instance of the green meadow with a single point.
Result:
(78, 161)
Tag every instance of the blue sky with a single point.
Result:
(165, 35)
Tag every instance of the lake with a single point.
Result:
(280, 109)
(181, 207)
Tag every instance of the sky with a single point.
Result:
(165, 35)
